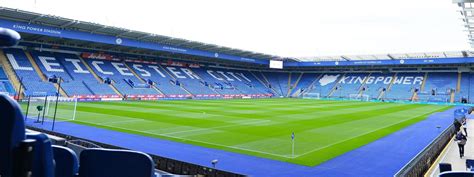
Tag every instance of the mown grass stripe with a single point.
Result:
(259, 127)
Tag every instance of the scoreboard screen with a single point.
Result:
(276, 64)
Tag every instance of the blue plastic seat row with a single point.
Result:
(33, 153)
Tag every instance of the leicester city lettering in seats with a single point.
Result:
(190, 73)
(50, 64)
(156, 68)
(220, 75)
(233, 75)
(15, 64)
(210, 72)
(122, 69)
(96, 64)
(223, 74)
(176, 73)
(142, 71)
(77, 66)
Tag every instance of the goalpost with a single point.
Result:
(360, 97)
(46, 109)
(310, 96)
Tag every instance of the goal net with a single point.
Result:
(49, 108)
(310, 96)
(360, 97)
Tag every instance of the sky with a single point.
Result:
(287, 28)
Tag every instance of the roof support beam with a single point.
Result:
(126, 32)
(36, 18)
(345, 58)
(97, 29)
(144, 36)
(207, 47)
(69, 24)
(165, 40)
(185, 42)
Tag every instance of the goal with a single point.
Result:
(311, 96)
(49, 108)
(360, 97)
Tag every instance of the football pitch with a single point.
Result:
(323, 129)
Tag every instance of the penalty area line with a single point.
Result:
(183, 139)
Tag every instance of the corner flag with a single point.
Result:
(292, 144)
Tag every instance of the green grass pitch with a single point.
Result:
(324, 129)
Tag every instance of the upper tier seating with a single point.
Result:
(123, 79)
(306, 80)
(438, 87)
(470, 88)
(154, 78)
(189, 80)
(32, 83)
(247, 83)
(53, 66)
(278, 82)
(350, 84)
(5, 85)
(160, 78)
(325, 84)
(82, 76)
(375, 84)
(465, 87)
(293, 79)
(219, 81)
(254, 82)
(404, 86)
(228, 82)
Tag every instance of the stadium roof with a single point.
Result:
(430, 55)
(467, 13)
(95, 28)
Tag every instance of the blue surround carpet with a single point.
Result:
(383, 157)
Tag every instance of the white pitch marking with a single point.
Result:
(224, 126)
(123, 121)
(204, 142)
(356, 136)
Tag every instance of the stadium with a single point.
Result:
(83, 99)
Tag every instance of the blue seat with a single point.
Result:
(457, 174)
(115, 163)
(43, 162)
(12, 133)
(66, 162)
(15, 158)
